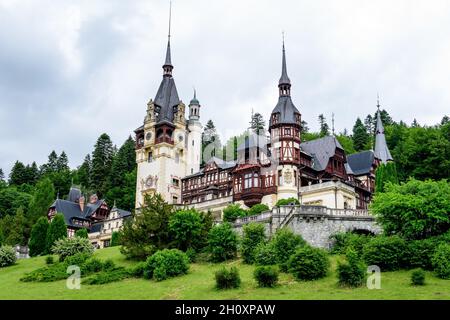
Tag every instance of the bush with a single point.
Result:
(388, 253)
(309, 263)
(109, 265)
(232, 212)
(107, 277)
(441, 261)
(185, 227)
(420, 253)
(227, 279)
(254, 234)
(38, 237)
(258, 209)
(418, 277)
(352, 273)
(7, 256)
(343, 241)
(70, 246)
(138, 270)
(49, 260)
(82, 233)
(285, 243)
(265, 254)
(77, 259)
(56, 230)
(191, 254)
(266, 276)
(55, 272)
(222, 242)
(115, 239)
(92, 265)
(287, 202)
(415, 209)
(166, 264)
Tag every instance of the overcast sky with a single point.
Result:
(71, 70)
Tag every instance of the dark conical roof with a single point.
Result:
(381, 149)
(284, 76)
(194, 100)
(168, 56)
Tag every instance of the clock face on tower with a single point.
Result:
(180, 138)
(148, 136)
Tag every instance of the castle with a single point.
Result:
(267, 169)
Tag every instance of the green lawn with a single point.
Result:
(199, 285)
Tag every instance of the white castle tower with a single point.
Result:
(167, 146)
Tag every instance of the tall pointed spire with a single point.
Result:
(285, 83)
(168, 67)
(381, 149)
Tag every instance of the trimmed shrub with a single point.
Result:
(254, 234)
(309, 263)
(441, 261)
(418, 277)
(343, 241)
(351, 273)
(82, 233)
(287, 202)
(115, 239)
(118, 274)
(227, 279)
(49, 260)
(388, 253)
(266, 276)
(258, 209)
(222, 242)
(420, 253)
(265, 254)
(70, 246)
(166, 264)
(7, 256)
(286, 243)
(38, 237)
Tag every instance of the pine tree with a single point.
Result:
(385, 173)
(82, 233)
(324, 127)
(18, 228)
(84, 172)
(2, 175)
(304, 128)
(257, 123)
(18, 174)
(56, 230)
(37, 244)
(210, 142)
(102, 158)
(42, 199)
(370, 128)
(62, 164)
(360, 136)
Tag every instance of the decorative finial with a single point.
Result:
(332, 121)
(170, 20)
(378, 101)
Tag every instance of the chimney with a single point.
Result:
(82, 201)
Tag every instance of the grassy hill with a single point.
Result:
(199, 284)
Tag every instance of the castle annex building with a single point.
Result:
(267, 169)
